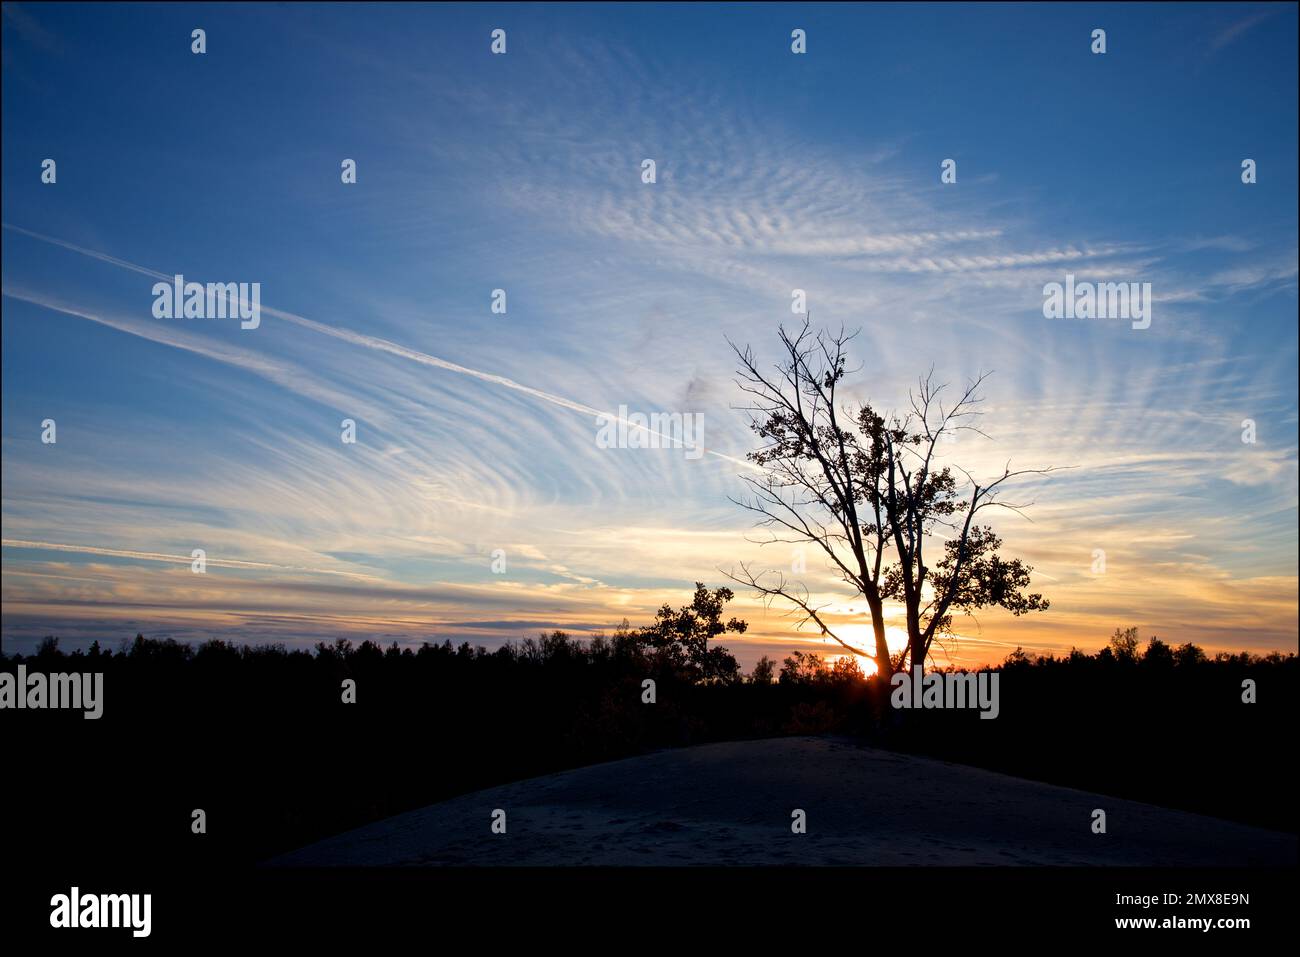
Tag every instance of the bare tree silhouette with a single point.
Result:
(869, 492)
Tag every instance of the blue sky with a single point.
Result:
(775, 171)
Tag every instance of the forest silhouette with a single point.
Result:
(260, 738)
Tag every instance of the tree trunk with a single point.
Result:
(884, 667)
(915, 640)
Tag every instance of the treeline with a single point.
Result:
(261, 739)
(1154, 722)
(645, 652)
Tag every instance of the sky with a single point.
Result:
(476, 431)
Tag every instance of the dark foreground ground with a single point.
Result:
(732, 804)
(260, 742)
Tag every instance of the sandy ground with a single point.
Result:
(731, 804)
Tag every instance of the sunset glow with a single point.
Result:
(477, 433)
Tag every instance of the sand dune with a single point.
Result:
(731, 804)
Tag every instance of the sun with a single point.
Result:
(868, 665)
(861, 636)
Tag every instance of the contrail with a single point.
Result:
(383, 345)
(171, 559)
(125, 553)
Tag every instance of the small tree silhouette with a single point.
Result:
(1124, 644)
(680, 639)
